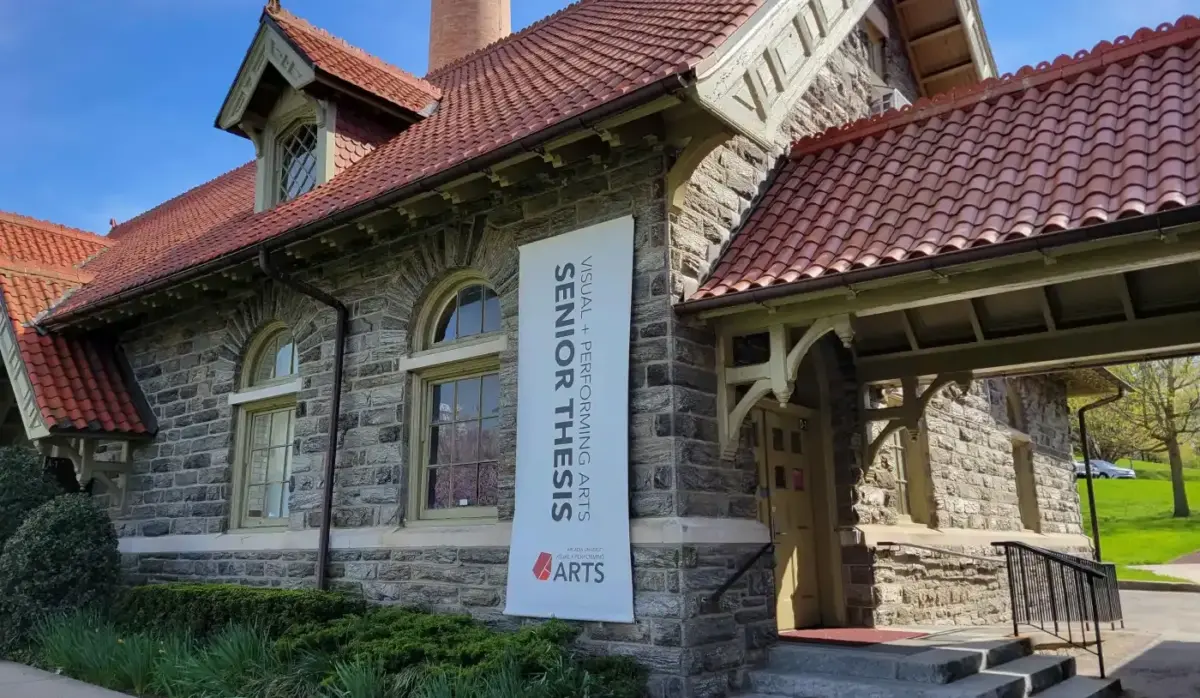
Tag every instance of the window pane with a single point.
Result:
(488, 485)
(447, 326)
(264, 369)
(488, 439)
(438, 496)
(466, 485)
(441, 444)
(443, 403)
(280, 423)
(468, 399)
(254, 501)
(260, 431)
(470, 311)
(277, 464)
(285, 358)
(257, 473)
(466, 442)
(491, 395)
(491, 311)
(273, 506)
(297, 162)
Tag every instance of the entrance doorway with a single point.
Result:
(786, 496)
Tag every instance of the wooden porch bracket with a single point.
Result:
(908, 414)
(776, 375)
(114, 475)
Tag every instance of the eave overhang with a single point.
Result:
(946, 43)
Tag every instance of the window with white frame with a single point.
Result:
(296, 166)
(266, 416)
(456, 368)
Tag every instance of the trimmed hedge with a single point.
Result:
(62, 558)
(205, 609)
(23, 487)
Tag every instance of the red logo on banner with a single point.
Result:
(541, 568)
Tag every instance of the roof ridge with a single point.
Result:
(183, 195)
(1102, 54)
(462, 60)
(276, 11)
(52, 227)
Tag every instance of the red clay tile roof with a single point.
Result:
(1102, 135)
(78, 381)
(575, 60)
(357, 67)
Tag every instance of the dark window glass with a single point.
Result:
(463, 443)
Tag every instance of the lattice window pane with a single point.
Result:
(298, 162)
(463, 443)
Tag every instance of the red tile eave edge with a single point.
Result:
(705, 300)
(673, 79)
(1105, 53)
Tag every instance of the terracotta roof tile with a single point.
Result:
(573, 61)
(355, 66)
(77, 381)
(1087, 139)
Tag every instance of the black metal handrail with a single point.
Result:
(1060, 593)
(712, 602)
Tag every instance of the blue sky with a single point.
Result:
(108, 106)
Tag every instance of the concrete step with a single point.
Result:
(936, 666)
(1084, 687)
(996, 652)
(1038, 671)
(770, 682)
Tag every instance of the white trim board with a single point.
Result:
(655, 531)
(265, 393)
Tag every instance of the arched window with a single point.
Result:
(296, 161)
(266, 415)
(456, 369)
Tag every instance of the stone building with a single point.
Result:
(304, 372)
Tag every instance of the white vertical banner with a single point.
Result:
(570, 556)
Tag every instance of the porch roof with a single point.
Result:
(1089, 139)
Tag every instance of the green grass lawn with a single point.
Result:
(1159, 471)
(1136, 526)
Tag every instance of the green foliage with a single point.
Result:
(63, 557)
(204, 609)
(1136, 522)
(399, 638)
(23, 487)
(378, 653)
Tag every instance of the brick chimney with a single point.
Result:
(459, 27)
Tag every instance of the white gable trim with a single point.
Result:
(270, 47)
(754, 79)
(18, 377)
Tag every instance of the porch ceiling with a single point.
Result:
(1124, 316)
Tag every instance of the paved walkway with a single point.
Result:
(1189, 559)
(1168, 667)
(20, 681)
(1189, 572)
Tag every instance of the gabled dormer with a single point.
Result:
(313, 105)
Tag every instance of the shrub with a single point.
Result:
(63, 557)
(205, 609)
(399, 638)
(23, 487)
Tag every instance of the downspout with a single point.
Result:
(1087, 462)
(339, 356)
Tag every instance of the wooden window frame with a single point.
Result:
(253, 398)
(435, 363)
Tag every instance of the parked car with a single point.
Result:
(1103, 470)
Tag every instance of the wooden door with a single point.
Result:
(786, 481)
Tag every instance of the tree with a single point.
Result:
(1164, 410)
(1110, 436)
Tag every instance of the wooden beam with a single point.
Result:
(1121, 283)
(936, 34)
(948, 72)
(973, 314)
(909, 329)
(1049, 304)
(1170, 335)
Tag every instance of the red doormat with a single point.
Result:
(851, 637)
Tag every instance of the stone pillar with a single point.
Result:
(461, 27)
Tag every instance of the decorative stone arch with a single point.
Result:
(274, 304)
(485, 250)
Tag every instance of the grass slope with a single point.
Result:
(1136, 526)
